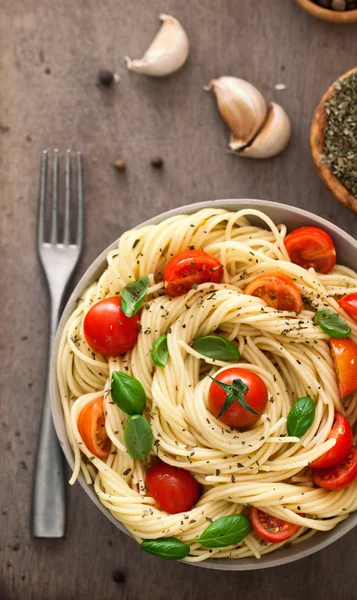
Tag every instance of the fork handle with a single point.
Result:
(48, 510)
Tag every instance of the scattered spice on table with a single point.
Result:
(157, 162)
(120, 165)
(105, 77)
(118, 576)
(340, 146)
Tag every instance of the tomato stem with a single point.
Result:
(235, 392)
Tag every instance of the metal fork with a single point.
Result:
(58, 259)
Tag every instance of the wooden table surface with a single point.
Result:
(51, 53)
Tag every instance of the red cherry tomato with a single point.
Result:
(270, 528)
(341, 431)
(277, 291)
(174, 489)
(344, 354)
(311, 247)
(189, 268)
(349, 304)
(236, 415)
(91, 426)
(107, 330)
(340, 476)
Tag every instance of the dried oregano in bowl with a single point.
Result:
(340, 132)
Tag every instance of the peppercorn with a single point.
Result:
(157, 162)
(324, 3)
(120, 165)
(118, 576)
(105, 77)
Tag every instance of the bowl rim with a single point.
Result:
(327, 14)
(317, 139)
(281, 556)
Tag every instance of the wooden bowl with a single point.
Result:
(327, 14)
(317, 140)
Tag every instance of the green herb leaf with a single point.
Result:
(138, 437)
(225, 531)
(215, 346)
(133, 294)
(170, 548)
(301, 416)
(160, 352)
(235, 393)
(332, 324)
(128, 393)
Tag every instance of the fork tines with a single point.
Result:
(54, 228)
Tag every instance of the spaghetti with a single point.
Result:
(261, 466)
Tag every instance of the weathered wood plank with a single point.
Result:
(265, 42)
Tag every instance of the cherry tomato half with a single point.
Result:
(277, 291)
(341, 431)
(91, 426)
(236, 415)
(349, 304)
(174, 489)
(340, 476)
(311, 247)
(270, 528)
(189, 268)
(344, 354)
(108, 330)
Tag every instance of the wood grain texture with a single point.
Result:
(50, 55)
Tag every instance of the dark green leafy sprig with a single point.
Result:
(132, 296)
(301, 416)
(225, 531)
(138, 437)
(160, 351)
(128, 393)
(332, 324)
(215, 346)
(169, 548)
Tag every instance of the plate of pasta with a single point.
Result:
(204, 384)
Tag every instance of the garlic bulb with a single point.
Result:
(272, 138)
(167, 52)
(242, 107)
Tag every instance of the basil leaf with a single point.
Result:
(128, 393)
(225, 531)
(301, 416)
(332, 324)
(215, 346)
(170, 548)
(133, 294)
(138, 437)
(235, 393)
(160, 352)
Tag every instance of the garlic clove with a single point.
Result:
(167, 52)
(242, 107)
(272, 138)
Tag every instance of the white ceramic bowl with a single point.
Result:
(346, 248)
